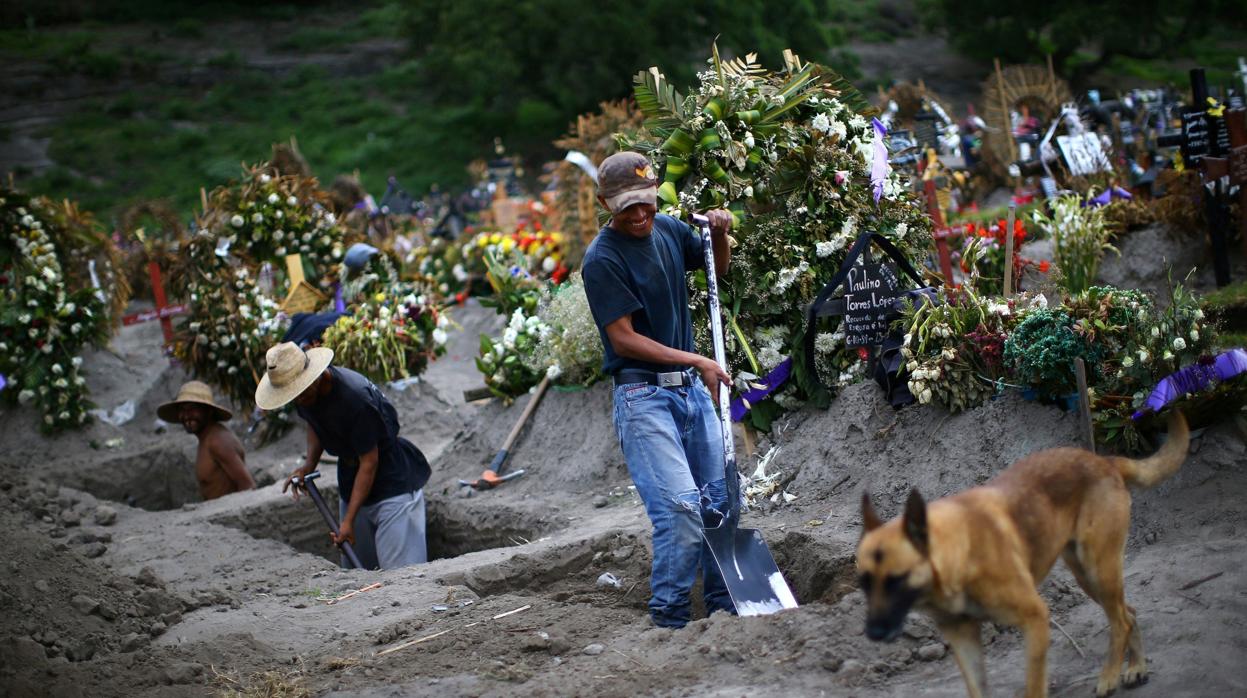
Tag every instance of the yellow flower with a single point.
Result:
(557, 238)
(495, 238)
(379, 297)
(482, 240)
(507, 244)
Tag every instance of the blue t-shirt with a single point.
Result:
(643, 278)
(355, 418)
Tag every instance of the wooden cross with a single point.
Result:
(163, 310)
(1234, 166)
(941, 233)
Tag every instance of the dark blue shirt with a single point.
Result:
(354, 418)
(644, 278)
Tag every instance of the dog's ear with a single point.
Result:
(915, 521)
(870, 519)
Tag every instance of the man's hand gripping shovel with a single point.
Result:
(305, 482)
(753, 580)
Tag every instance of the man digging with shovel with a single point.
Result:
(671, 439)
(380, 474)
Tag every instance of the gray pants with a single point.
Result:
(390, 533)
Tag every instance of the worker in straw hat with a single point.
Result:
(380, 474)
(220, 462)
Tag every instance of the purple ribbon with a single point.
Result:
(770, 384)
(879, 163)
(338, 304)
(3, 382)
(1192, 379)
(1108, 196)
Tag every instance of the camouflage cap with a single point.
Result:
(625, 179)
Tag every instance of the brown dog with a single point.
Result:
(980, 554)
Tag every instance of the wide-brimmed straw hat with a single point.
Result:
(194, 393)
(289, 372)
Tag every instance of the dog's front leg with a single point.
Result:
(964, 637)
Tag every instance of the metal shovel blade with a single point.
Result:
(753, 580)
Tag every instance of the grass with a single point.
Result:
(167, 142)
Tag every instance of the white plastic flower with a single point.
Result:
(237, 221)
(1179, 344)
(1194, 335)
(273, 198)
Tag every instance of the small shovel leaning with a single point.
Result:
(314, 492)
(753, 580)
(492, 477)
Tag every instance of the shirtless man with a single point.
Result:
(220, 462)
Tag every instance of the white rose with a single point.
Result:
(1143, 356)
(1194, 335)
(291, 201)
(548, 265)
(237, 221)
(439, 336)
(273, 198)
(554, 372)
(1179, 344)
(1155, 332)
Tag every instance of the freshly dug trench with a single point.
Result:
(816, 572)
(297, 524)
(157, 479)
(458, 527)
(450, 531)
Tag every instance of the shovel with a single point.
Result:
(753, 580)
(314, 492)
(492, 477)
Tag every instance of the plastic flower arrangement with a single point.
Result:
(987, 261)
(541, 252)
(1080, 236)
(265, 217)
(231, 323)
(45, 320)
(792, 154)
(569, 349)
(1040, 352)
(504, 361)
(954, 349)
(439, 264)
(1142, 344)
(393, 334)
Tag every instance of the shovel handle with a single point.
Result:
(720, 357)
(501, 458)
(314, 492)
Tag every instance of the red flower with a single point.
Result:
(460, 297)
(863, 353)
(1044, 266)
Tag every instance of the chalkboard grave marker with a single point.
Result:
(870, 293)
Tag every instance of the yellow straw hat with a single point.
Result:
(289, 371)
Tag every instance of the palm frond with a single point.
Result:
(745, 67)
(847, 93)
(657, 100)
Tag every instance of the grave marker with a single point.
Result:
(163, 311)
(870, 294)
(303, 297)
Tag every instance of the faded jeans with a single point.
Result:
(673, 446)
(389, 533)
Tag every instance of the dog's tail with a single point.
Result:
(1151, 471)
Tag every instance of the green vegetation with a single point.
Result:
(1084, 37)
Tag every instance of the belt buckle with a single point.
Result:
(674, 379)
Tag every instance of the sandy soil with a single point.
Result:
(177, 597)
